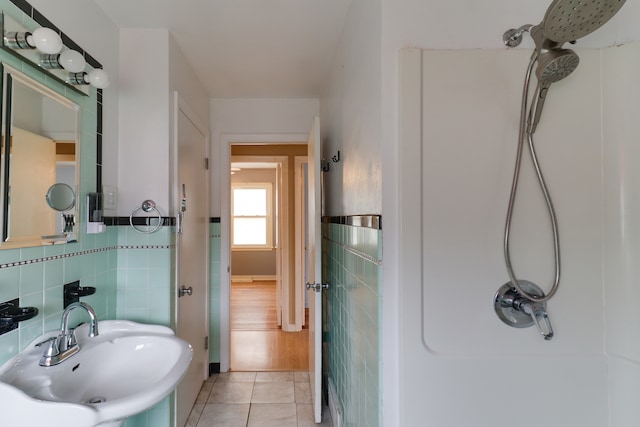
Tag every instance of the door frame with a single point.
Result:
(281, 216)
(300, 232)
(227, 140)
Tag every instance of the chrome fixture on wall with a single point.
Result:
(44, 39)
(51, 54)
(148, 206)
(520, 303)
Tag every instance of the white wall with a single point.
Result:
(152, 68)
(143, 158)
(621, 203)
(351, 116)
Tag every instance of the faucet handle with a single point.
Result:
(540, 318)
(52, 352)
(67, 340)
(46, 341)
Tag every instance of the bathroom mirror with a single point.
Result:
(39, 163)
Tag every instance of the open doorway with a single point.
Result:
(267, 306)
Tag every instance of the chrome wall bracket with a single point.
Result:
(520, 312)
(317, 286)
(513, 37)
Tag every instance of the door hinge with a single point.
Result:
(317, 286)
(206, 343)
(206, 163)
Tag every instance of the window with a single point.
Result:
(252, 224)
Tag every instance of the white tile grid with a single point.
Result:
(256, 399)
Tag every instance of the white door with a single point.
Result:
(192, 248)
(315, 269)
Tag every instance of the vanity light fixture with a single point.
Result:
(74, 63)
(96, 77)
(43, 47)
(45, 40)
(70, 60)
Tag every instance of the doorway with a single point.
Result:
(267, 324)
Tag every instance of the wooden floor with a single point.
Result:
(257, 342)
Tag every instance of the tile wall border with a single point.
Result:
(367, 221)
(80, 253)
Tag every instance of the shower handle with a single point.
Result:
(536, 108)
(540, 318)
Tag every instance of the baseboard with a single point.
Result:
(334, 406)
(291, 327)
(214, 368)
(250, 279)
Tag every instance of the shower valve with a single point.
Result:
(520, 312)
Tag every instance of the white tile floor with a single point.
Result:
(256, 399)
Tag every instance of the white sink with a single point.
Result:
(125, 370)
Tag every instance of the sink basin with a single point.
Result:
(125, 370)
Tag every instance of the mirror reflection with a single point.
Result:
(41, 153)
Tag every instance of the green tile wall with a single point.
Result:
(352, 265)
(145, 269)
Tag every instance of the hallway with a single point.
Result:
(257, 342)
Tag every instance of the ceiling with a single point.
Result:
(246, 48)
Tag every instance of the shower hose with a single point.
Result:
(514, 189)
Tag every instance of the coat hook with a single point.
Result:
(324, 165)
(336, 158)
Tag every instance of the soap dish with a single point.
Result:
(11, 314)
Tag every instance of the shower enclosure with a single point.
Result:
(459, 364)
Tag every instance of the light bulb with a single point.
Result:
(72, 61)
(45, 40)
(98, 78)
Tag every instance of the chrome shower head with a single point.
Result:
(553, 66)
(569, 20)
(556, 64)
(566, 21)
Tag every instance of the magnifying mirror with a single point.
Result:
(60, 197)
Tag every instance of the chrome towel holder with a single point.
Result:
(147, 206)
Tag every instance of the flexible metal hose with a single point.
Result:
(543, 187)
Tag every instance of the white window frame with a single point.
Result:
(269, 216)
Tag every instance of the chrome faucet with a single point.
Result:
(64, 345)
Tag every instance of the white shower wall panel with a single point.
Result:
(621, 149)
(460, 365)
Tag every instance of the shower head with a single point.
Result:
(569, 20)
(553, 66)
(556, 64)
